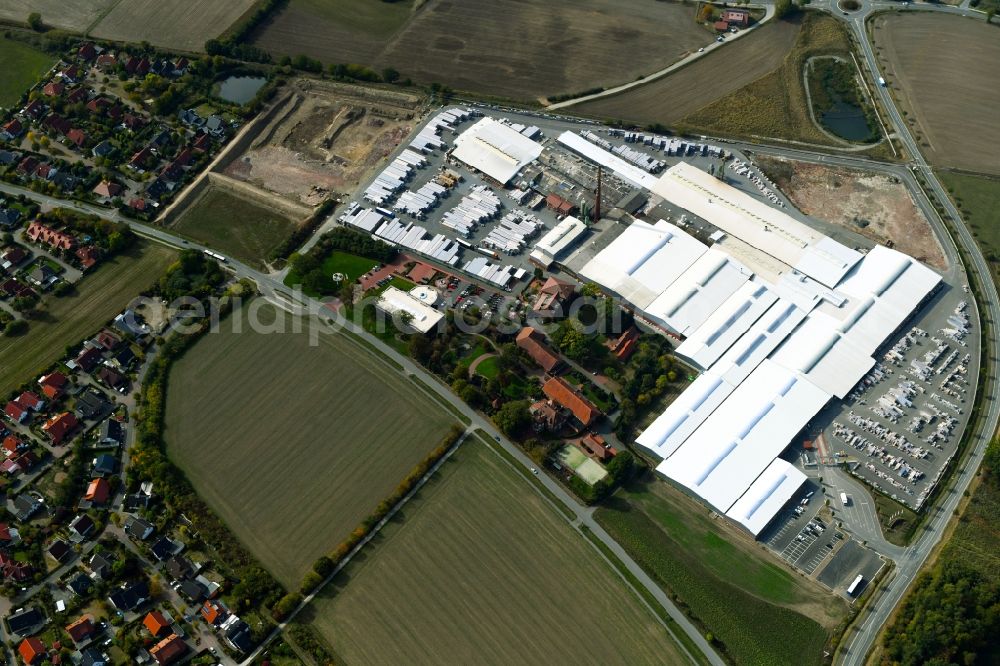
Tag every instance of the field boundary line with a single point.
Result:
(280, 628)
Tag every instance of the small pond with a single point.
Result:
(847, 121)
(240, 89)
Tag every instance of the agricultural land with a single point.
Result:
(235, 224)
(77, 15)
(97, 298)
(483, 569)
(176, 24)
(520, 50)
(978, 198)
(951, 107)
(311, 465)
(724, 581)
(874, 205)
(22, 66)
(325, 137)
(775, 106)
(668, 99)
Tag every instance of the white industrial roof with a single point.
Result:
(727, 324)
(824, 356)
(758, 342)
(698, 292)
(643, 261)
(424, 317)
(561, 237)
(763, 500)
(724, 456)
(495, 149)
(627, 172)
(751, 220)
(685, 414)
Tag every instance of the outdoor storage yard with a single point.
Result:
(727, 583)
(312, 463)
(325, 137)
(952, 106)
(512, 49)
(99, 297)
(876, 206)
(672, 97)
(482, 569)
(234, 223)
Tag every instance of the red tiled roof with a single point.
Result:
(557, 390)
(31, 650)
(533, 343)
(155, 623)
(14, 411)
(81, 630)
(98, 491)
(168, 650)
(59, 426)
(54, 88)
(41, 233)
(30, 400)
(106, 188)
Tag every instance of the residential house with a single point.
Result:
(133, 122)
(213, 613)
(140, 160)
(91, 404)
(46, 171)
(545, 417)
(11, 130)
(27, 166)
(14, 289)
(25, 621)
(98, 105)
(163, 549)
(60, 426)
(13, 570)
(30, 400)
(123, 359)
(16, 412)
(169, 650)
(192, 590)
(106, 61)
(39, 232)
(86, 52)
(215, 126)
(625, 344)
(107, 340)
(156, 624)
(13, 447)
(88, 256)
(43, 276)
(93, 657)
(137, 528)
(77, 136)
(237, 635)
(25, 506)
(130, 596)
(80, 584)
(179, 567)
(595, 446)
(191, 117)
(81, 630)
(9, 536)
(107, 189)
(552, 296)
(561, 393)
(9, 217)
(57, 123)
(105, 465)
(82, 527)
(53, 88)
(112, 379)
(8, 157)
(76, 95)
(88, 359)
(53, 384)
(111, 433)
(202, 143)
(533, 342)
(740, 17)
(12, 258)
(98, 491)
(32, 651)
(60, 551)
(33, 109)
(103, 149)
(101, 566)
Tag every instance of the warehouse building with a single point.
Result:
(495, 149)
(554, 244)
(422, 317)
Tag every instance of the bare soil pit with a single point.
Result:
(877, 206)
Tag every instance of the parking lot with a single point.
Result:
(901, 425)
(850, 560)
(798, 535)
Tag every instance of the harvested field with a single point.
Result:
(234, 224)
(952, 106)
(483, 570)
(298, 420)
(328, 137)
(76, 16)
(522, 49)
(22, 67)
(722, 577)
(669, 99)
(67, 320)
(176, 24)
(874, 205)
(775, 106)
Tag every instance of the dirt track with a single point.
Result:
(944, 71)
